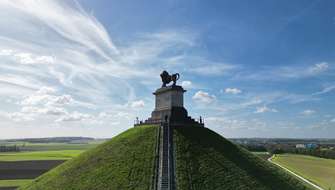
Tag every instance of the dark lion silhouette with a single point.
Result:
(166, 78)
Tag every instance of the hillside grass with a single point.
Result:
(124, 162)
(206, 160)
(14, 182)
(40, 155)
(317, 170)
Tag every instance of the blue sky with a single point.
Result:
(88, 68)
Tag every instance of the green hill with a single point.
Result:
(204, 160)
(124, 162)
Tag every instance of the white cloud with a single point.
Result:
(75, 116)
(29, 59)
(325, 90)
(234, 124)
(318, 68)
(187, 84)
(203, 97)
(332, 121)
(253, 101)
(47, 99)
(264, 109)
(47, 110)
(137, 104)
(233, 91)
(26, 58)
(46, 90)
(285, 72)
(308, 112)
(20, 117)
(6, 52)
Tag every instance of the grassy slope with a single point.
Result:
(205, 160)
(125, 162)
(263, 155)
(40, 155)
(318, 170)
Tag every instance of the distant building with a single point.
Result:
(311, 145)
(300, 146)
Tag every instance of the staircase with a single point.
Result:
(166, 176)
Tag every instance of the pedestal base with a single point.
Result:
(176, 116)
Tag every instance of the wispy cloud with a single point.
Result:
(235, 124)
(61, 47)
(232, 91)
(325, 90)
(284, 72)
(209, 68)
(264, 109)
(308, 112)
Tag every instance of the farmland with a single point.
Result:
(317, 170)
(13, 183)
(40, 155)
(36, 158)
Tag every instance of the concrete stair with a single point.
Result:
(165, 179)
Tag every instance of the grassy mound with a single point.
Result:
(125, 162)
(206, 160)
(203, 160)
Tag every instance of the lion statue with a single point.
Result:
(166, 78)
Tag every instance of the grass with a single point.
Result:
(206, 160)
(263, 155)
(40, 155)
(124, 162)
(54, 146)
(317, 170)
(14, 182)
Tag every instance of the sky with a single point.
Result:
(88, 68)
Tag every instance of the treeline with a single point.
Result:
(254, 148)
(322, 152)
(13, 148)
(52, 139)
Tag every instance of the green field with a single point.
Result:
(14, 183)
(317, 170)
(25, 146)
(40, 155)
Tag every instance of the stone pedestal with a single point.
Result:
(168, 100)
(169, 107)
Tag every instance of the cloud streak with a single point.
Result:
(59, 46)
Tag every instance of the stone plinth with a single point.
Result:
(169, 106)
(168, 97)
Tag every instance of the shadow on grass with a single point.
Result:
(265, 173)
